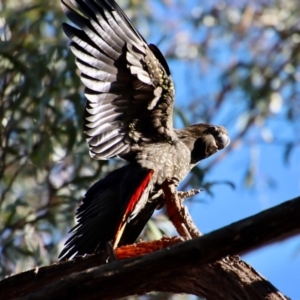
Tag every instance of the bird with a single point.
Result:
(130, 96)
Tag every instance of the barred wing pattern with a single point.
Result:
(129, 89)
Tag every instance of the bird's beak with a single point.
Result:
(222, 140)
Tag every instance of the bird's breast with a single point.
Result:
(167, 161)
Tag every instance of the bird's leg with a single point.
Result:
(177, 212)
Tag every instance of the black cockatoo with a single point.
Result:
(128, 114)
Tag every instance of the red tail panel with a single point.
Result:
(137, 195)
(131, 205)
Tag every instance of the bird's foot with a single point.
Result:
(186, 194)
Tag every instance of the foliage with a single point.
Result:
(43, 159)
(246, 57)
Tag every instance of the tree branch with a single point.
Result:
(189, 267)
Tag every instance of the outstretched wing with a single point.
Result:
(129, 89)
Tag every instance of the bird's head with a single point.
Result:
(203, 140)
(219, 133)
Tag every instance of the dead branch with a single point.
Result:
(199, 266)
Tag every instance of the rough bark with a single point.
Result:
(200, 266)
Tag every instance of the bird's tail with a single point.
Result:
(113, 209)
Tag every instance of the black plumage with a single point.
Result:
(128, 114)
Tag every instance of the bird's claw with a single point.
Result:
(187, 194)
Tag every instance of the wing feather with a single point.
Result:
(129, 90)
